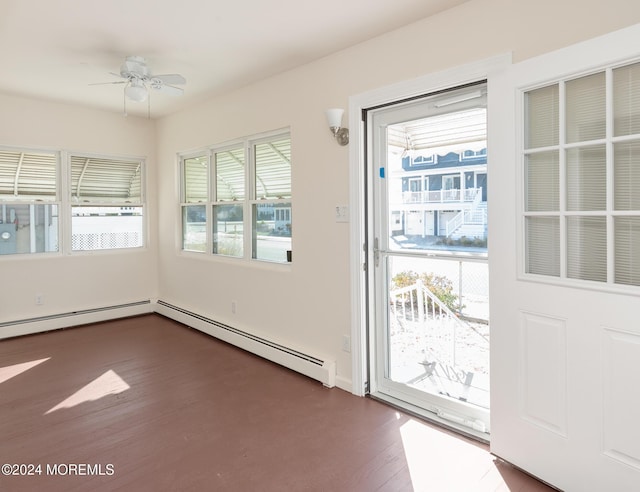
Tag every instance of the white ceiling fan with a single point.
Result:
(138, 78)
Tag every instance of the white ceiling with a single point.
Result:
(53, 49)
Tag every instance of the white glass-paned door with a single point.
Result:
(431, 339)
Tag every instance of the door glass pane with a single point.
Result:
(439, 327)
(542, 239)
(228, 237)
(627, 250)
(585, 108)
(587, 178)
(626, 175)
(626, 100)
(438, 203)
(542, 176)
(542, 117)
(587, 248)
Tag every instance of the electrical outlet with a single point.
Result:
(39, 299)
(233, 307)
(346, 343)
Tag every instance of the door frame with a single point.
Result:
(361, 252)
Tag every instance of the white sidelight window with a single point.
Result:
(581, 176)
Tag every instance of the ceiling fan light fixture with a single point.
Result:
(136, 91)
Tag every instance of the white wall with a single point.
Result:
(306, 305)
(83, 281)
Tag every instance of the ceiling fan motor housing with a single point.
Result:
(134, 67)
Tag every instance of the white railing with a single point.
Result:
(474, 215)
(441, 196)
(417, 304)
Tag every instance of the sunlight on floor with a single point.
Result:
(107, 384)
(439, 461)
(9, 372)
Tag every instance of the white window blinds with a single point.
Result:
(581, 176)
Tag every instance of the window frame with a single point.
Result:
(69, 202)
(564, 213)
(6, 201)
(65, 203)
(249, 200)
(184, 204)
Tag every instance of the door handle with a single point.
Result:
(376, 252)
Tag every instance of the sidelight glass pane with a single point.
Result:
(230, 175)
(228, 236)
(626, 175)
(626, 100)
(542, 174)
(542, 117)
(542, 245)
(627, 250)
(587, 178)
(587, 248)
(586, 108)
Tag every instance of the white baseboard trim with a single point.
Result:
(39, 324)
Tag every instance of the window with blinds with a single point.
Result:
(241, 193)
(229, 201)
(29, 208)
(28, 175)
(581, 175)
(107, 207)
(105, 196)
(195, 194)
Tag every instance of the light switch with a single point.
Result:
(342, 213)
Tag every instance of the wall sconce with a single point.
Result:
(334, 117)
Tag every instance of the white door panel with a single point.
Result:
(565, 360)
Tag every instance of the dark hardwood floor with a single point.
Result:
(147, 404)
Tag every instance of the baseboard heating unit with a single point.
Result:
(56, 321)
(311, 366)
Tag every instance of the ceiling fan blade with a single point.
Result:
(168, 89)
(170, 78)
(109, 83)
